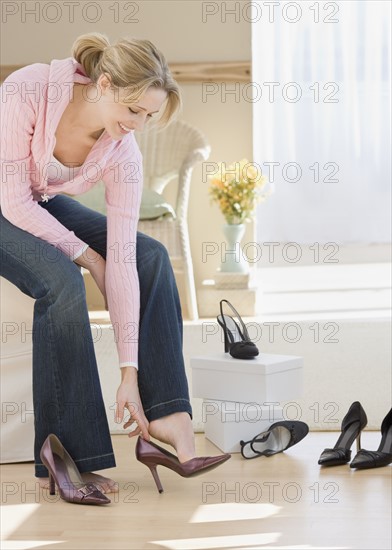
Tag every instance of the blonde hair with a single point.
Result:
(133, 65)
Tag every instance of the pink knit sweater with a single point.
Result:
(32, 101)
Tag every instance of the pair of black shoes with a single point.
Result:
(352, 425)
(279, 437)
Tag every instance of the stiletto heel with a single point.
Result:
(237, 341)
(352, 425)
(383, 456)
(358, 441)
(152, 455)
(64, 473)
(155, 475)
(226, 343)
(52, 488)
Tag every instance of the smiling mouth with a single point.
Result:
(125, 129)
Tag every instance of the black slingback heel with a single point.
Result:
(280, 436)
(237, 341)
(383, 456)
(352, 425)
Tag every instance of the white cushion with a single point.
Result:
(154, 206)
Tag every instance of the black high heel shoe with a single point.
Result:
(279, 437)
(237, 341)
(383, 456)
(352, 425)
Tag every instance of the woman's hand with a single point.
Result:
(96, 264)
(98, 274)
(128, 397)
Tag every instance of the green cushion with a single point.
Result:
(154, 206)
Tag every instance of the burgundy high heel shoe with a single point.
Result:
(64, 473)
(152, 455)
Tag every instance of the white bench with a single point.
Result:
(17, 419)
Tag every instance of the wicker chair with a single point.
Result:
(170, 155)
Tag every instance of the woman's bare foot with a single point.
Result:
(176, 430)
(104, 484)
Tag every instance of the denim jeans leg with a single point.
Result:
(67, 395)
(162, 379)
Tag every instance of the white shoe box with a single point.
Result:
(266, 378)
(226, 423)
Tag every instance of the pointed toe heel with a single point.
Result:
(64, 473)
(334, 457)
(352, 425)
(383, 456)
(152, 455)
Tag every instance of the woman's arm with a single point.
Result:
(18, 116)
(123, 189)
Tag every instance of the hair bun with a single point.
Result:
(88, 50)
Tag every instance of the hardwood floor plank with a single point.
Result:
(283, 502)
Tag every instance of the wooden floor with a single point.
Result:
(283, 502)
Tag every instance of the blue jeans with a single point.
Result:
(67, 396)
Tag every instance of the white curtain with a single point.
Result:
(340, 126)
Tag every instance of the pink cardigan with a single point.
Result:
(32, 101)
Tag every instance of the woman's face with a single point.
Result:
(119, 119)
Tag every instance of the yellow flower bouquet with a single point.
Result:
(236, 189)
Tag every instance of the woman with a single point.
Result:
(66, 126)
